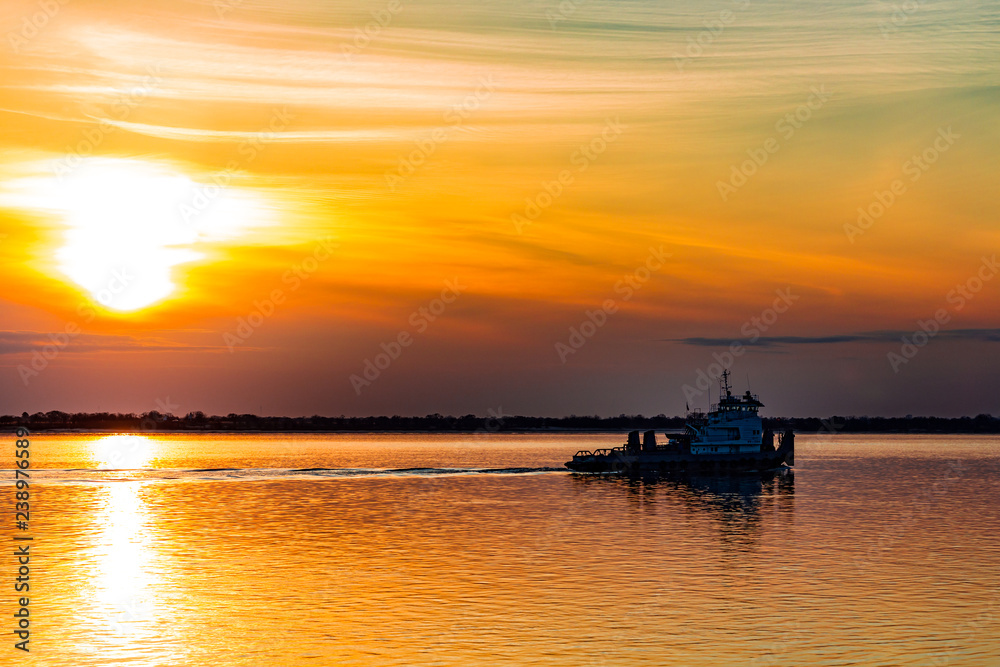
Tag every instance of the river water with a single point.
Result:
(220, 549)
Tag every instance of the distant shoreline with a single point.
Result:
(197, 422)
(111, 431)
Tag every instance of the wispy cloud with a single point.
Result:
(988, 335)
(22, 342)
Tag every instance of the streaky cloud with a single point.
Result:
(26, 342)
(988, 335)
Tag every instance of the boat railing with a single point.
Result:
(583, 453)
(608, 452)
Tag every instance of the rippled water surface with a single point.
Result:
(480, 549)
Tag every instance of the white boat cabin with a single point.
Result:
(733, 426)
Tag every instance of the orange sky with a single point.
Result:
(235, 204)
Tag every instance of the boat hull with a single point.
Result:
(618, 461)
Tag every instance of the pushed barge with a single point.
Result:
(729, 439)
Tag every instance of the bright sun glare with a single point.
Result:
(122, 452)
(130, 222)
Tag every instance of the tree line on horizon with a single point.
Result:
(199, 421)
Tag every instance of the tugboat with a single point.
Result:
(729, 439)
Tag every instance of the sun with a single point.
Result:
(129, 223)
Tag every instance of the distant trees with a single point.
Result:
(56, 417)
(199, 421)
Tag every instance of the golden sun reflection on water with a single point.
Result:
(123, 582)
(123, 579)
(122, 452)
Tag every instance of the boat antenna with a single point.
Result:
(748, 381)
(724, 384)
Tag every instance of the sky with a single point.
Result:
(541, 208)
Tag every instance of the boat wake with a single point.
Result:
(100, 476)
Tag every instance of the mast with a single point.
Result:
(724, 388)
